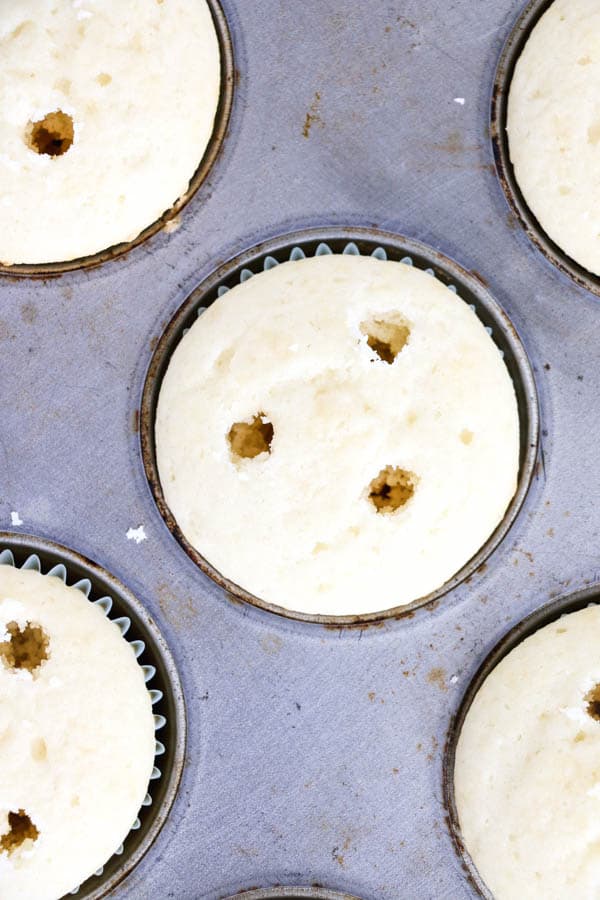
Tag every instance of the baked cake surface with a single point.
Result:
(76, 737)
(106, 109)
(554, 127)
(338, 435)
(527, 777)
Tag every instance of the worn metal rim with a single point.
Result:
(292, 893)
(511, 52)
(541, 617)
(163, 791)
(213, 149)
(471, 290)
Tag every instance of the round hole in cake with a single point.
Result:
(52, 135)
(387, 335)
(26, 648)
(251, 438)
(20, 829)
(392, 489)
(592, 701)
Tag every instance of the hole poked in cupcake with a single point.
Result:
(392, 489)
(51, 136)
(387, 335)
(26, 648)
(592, 702)
(20, 830)
(251, 438)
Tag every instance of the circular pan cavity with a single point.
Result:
(517, 634)
(365, 242)
(213, 149)
(169, 711)
(509, 57)
(293, 893)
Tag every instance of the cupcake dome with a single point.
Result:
(106, 109)
(326, 438)
(76, 736)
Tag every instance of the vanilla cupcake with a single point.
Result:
(76, 736)
(106, 110)
(553, 127)
(527, 779)
(338, 435)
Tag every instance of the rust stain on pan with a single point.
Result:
(281, 892)
(396, 247)
(230, 77)
(504, 168)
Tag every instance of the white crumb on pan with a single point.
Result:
(460, 100)
(137, 534)
(15, 518)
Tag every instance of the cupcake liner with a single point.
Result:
(355, 242)
(169, 217)
(164, 691)
(511, 52)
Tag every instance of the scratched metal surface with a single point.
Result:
(313, 755)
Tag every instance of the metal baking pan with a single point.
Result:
(314, 752)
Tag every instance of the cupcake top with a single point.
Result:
(76, 736)
(554, 127)
(338, 435)
(527, 777)
(106, 109)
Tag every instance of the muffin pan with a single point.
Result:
(23, 551)
(355, 241)
(314, 752)
(519, 36)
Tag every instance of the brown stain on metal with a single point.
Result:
(313, 116)
(179, 611)
(480, 278)
(135, 421)
(271, 644)
(437, 676)
(5, 333)
(353, 626)
(454, 144)
(371, 695)
(29, 313)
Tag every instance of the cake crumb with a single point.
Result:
(460, 101)
(15, 518)
(137, 534)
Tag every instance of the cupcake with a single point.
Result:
(527, 780)
(76, 736)
(106, 109)
(337, 435)
(553, 127)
